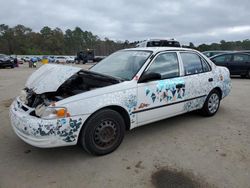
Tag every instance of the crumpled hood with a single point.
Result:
(49, 78)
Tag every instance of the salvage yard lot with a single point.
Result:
(214, 152)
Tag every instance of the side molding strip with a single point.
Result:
(143, 110)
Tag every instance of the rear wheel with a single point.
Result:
(103, 132)
(211, 104)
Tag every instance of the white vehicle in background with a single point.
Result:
(19, 59)
(158, 43)
(66, 105)
(26, 59)
(70, 59)
(60, 59)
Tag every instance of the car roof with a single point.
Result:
(159, 49)
(230, 53)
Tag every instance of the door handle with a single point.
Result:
(210, 79)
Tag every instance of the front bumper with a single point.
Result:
(44, 133)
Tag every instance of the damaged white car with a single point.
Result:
(63, 105)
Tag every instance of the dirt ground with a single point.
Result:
(186, 150)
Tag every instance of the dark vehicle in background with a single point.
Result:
(85, 56)
(238, 63)
(14, 60)
(88, 55)
(213, 53)
(39, 58)
(159, 43)
(245, 51)
(99, 58)
(5, 61)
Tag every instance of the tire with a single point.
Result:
(211, 104)
(103, 132)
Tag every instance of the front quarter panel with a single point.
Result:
(87, 104)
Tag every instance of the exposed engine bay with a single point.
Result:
(80, 82)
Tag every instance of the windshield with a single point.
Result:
(122, 64)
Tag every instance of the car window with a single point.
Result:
(240, 58)
(122, 64)
(205, 66)
(192, 63)
(222, 58)
(166, 64)
(206, 54)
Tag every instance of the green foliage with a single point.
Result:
(223, 45)
(22, 40)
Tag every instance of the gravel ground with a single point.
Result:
(186, 150)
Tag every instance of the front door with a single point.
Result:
(161, 98)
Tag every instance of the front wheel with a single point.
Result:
(211, 104)
(103, 132)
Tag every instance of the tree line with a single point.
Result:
(226, 45)
(23, 40)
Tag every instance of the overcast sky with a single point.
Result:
(197, 21)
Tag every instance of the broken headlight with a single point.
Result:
(51, 112)
(23, 96)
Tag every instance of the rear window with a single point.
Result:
(241, 57)
(193, 64)
(222, 58)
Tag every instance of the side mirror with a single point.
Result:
(149, 76)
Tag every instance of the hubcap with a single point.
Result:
(213, 103)
(105, 134)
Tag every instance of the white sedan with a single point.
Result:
(62, 105)
(60, 59)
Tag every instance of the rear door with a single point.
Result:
(198, 79)
(239, 64)
(222, 60)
